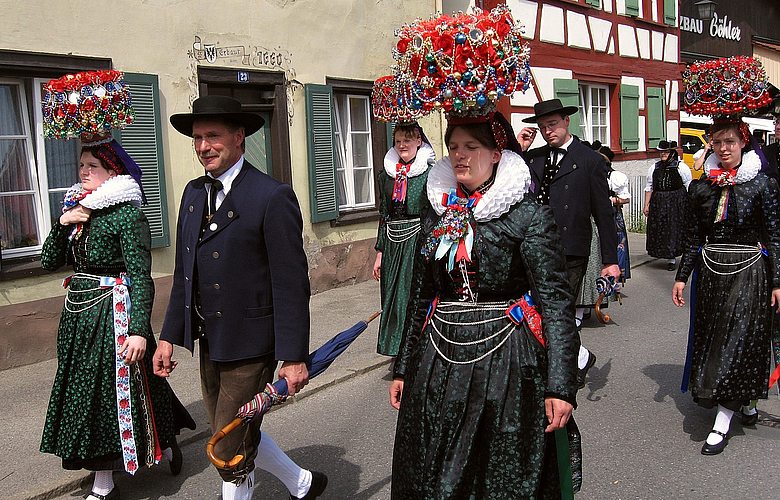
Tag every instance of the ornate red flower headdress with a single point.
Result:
(462, 64)
(86, 105)
(384, 102)
(725, 88)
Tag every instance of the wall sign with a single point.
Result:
(719, 27)
(255, 56)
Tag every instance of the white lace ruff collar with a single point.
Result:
(419, 165)
(115, 190)
(513, 180)
(751, 164)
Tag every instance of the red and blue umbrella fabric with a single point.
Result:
(276, 393)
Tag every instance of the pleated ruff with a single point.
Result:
(666, 223)
(474, 430)
(732, 327)
(81, 420)
(396, 282)
(624, 256)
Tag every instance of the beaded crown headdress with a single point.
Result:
(384, 102)
(462, 64)
(725, 88)
(86, 105)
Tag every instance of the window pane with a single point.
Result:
(360, 151)
(341, 187)
(61, 162)
(18, 225)
(363, 180)
(358, 113)
(14, 171)
(55, 203)
(10, 114)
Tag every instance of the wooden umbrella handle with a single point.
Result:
(603, 318)
(373, 316)
(216, 438)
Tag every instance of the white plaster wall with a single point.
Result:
(525, 99)
(637, 82)
(620, 6)
(671, 51)
(577, 30)
(643, 37)
(525, 11)
(551, 29)
(673, 130)
(673, 96)
(658, 45)
(627, 41)
(600, 30)
(642, 133)
(611, 49)
(607, 5)
(654, 10)
(544, 80)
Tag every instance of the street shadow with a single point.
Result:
(343, 475)
(597, 379)
(696, 420)
(157, 482)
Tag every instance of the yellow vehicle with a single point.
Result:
(691, 141)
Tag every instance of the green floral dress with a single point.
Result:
(82, 418)
(472, 416)
(399, 232)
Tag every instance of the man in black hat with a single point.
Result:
(241, 287)
(572, 179)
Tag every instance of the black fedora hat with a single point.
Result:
(545, 108)
(664, 145)
(217, 106)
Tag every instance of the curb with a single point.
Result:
(86, 479)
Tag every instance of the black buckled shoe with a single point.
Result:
(714, 449)
(112, 495)
(583, 372)
(748, 420)
(319, 482)
(176, 460)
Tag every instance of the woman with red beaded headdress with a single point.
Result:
(402, 205)
(486, 377)
(107, 411)
(732, 250)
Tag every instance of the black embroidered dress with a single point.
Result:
(732, 320)
(472, 418)
(667, 211)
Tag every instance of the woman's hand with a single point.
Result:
(776, 299)
(646, 210)
(75, 215)
(679, 286)
(378, 266)
(133, 349)
(396, 391)
(558, 413)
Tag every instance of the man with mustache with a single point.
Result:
(240, 287)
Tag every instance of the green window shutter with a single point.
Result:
(595, 3)
(655, 116)
(322, 162)
(629, 117)
(568, 91)
(143, 142)
(670, 15)
(632, 7)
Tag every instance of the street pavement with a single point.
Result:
(641, 436)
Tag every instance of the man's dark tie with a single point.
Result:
(216, 187)
(557, 155)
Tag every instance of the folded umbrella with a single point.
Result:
(276, 393)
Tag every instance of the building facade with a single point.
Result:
(306, 66)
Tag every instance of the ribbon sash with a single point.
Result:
(401, 181)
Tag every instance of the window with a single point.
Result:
(594, 113)
(346, 147)
(35, 172)
(354, 164)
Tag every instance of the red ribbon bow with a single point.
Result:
(399, 186)
(723, 176)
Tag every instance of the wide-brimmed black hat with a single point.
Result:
(545, 108)
(665, 145)
(217, 106)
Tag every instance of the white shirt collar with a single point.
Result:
(227, 178)
(566, 144)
